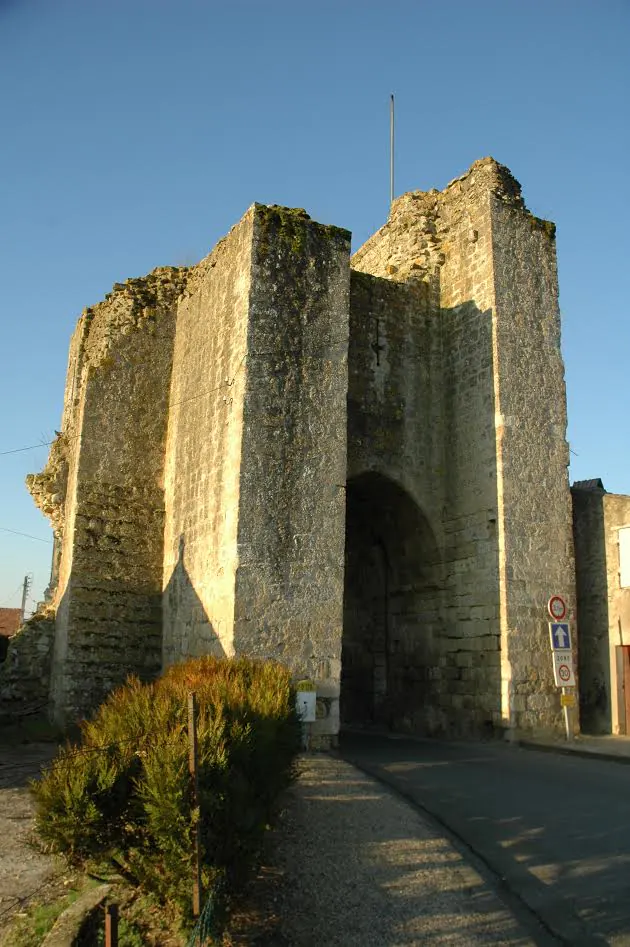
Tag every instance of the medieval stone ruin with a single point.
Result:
(355, 465)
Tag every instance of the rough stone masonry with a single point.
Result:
(357, 466)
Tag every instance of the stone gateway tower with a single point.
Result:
(356, 466)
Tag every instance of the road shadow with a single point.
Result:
(553, 831)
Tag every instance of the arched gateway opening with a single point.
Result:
(392, 608)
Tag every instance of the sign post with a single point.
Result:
(193, 764)
(562, 656)
(567, 699)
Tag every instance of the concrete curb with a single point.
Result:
(68, 925)
(581, 751)
(578, 748)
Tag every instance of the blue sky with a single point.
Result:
(135, 133)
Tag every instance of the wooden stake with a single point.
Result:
(111, 925)
(194, 790)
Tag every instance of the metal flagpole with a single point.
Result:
(391, 149)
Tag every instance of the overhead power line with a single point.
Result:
(27, 535)
(6, 604)
(173, 404)
(19, 450)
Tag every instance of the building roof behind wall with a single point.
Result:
(10, 620)
(595, 484)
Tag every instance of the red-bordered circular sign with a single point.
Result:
(557, 607)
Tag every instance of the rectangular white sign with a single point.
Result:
(306, 705)
(563, 673)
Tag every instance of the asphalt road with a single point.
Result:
(551, 832)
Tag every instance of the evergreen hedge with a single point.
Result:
(122, 793)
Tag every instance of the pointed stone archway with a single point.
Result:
(392, 608)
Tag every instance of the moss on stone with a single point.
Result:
(288, 226)
(546, 226)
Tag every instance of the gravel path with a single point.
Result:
(359, 866)
(24, 870)
(353, 865)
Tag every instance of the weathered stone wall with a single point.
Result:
(393, 629)
(289, 583)
(443, 242)
(490, 268)
(25, 675)
(203, 465)
(591, 572)
(395, 388)
(533, 457)
(471, 515)
(108, 599)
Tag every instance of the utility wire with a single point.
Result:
(28, 535)
(173, 404)
(19, 450)
(10, 769)
(12, 595)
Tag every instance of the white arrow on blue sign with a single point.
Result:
(560, 635)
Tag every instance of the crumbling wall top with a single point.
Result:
(127, 306)
(429, 214)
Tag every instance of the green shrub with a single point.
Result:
(123, 793)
